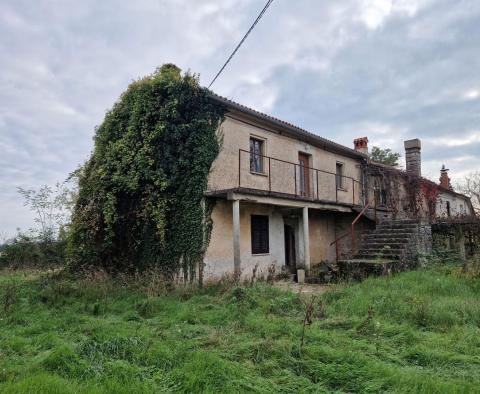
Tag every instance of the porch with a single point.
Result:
(257, 233)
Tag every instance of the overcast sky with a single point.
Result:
(389, 70)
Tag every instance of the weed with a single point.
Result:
(308, 317)
(271, 273)
(10, 296)
(416, 331)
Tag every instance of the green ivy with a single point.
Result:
(141, 192)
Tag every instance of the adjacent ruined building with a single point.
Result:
(287, 199)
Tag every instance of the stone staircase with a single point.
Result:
(393, 246)
(389, 240)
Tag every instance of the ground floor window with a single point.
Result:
(260, 236)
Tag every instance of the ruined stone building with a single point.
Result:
(287, 199)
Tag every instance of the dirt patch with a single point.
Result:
(302, 288)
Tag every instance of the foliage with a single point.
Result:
(44, 245)
(405, 193)
(384, 156)
(414, 332)
(26, 250)
(52, 207)
(422, 196)
(140, 193)
(471, 187)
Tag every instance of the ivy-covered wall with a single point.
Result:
(403, 194)
(141, 193)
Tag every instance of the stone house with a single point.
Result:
(285, 198)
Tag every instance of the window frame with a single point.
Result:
(339, 185)
(260, 246)
(263, 143)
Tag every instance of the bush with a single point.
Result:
(30, 252)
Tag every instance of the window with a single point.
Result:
(259, 230)
(380, 192)
(383, 197)
(256, 155)
(339, 175)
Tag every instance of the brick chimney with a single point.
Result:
(413, 156)
(361, 145)
(444, 179)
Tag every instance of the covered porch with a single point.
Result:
(257, 234)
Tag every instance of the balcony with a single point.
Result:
(293, 180)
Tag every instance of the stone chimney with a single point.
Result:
(444, 179)
(361, 145)
(413, 156)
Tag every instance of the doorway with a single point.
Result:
(290, 253)
(304, 166)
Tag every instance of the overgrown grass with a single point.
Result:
(414, 332)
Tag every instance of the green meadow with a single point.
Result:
(418, 331)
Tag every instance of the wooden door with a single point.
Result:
(290, 248)
(304, 164)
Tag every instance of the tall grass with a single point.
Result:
(414, 332)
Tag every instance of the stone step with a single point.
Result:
(379, 248)
(359, 269)
(376, 257)
(381, 244)
(401, 221)
(388, 238)
(391, 226)
(395, 252)
(379, 253)
(388, 235)
(394, 231)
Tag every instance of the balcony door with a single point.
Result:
(304, 164)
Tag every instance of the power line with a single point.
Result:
(242, 40)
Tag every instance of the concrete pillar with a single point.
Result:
(236, 237)
(306, 239)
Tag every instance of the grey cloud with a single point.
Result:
(392, 70)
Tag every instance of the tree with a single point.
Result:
(141, 195)
(52, 207)
(385, 156)
(471, 187)
(44, 245)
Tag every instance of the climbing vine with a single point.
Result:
(141, 193)
(409, 194)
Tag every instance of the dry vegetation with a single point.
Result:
(414, 332)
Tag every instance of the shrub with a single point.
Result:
(30, 252)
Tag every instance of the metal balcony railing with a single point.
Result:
(265, 173)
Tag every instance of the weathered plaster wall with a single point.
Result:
(236, 135)
(322, 233)
(458, 206)
(219, 255)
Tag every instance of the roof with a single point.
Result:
(288, 128)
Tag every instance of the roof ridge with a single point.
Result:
(321, 139)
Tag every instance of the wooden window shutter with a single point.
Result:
(260, 234)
